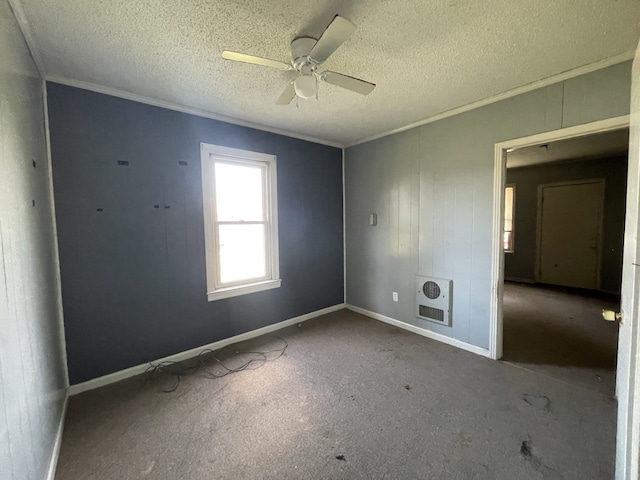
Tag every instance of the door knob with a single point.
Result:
(611, 315)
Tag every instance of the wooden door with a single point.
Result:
(570, 225)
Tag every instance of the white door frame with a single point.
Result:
(499, 177)
(628, 372)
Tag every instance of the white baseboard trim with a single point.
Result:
(178, 357)
(422, 331)
(53, 462)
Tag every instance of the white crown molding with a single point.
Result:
(560, 77)
(422, 331)
(18, 10)
(114, 92)
(23, 23)
(544, 82)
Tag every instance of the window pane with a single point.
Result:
(242, 252)
(506, 241)
(239, 192)
(508, 209)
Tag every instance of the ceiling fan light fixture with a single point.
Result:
(305, 86)
(307, 54)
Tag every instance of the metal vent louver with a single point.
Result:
(431, 290)
(433, 299)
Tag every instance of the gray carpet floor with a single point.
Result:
(351, 398)
(560, 332)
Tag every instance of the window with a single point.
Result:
(240, 220)
(509, 211)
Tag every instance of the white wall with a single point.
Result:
(432, 188)
(32, 366)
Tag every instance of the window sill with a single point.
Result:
(242, 290)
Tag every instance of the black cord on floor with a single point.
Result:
(210, 363)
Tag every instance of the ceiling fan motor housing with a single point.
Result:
(300, 49)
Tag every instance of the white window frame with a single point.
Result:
(209, 155)
(513, 219)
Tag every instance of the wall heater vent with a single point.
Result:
(433, 299)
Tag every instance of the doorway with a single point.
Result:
(564, 219)
(500, 239)
(628, 365)
(627, 386)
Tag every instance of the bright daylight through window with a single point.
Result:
(509, 209)
(240, 218)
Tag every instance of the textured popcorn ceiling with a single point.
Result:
(425, 56)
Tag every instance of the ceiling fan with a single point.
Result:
(307, 54)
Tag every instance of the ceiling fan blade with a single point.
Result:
(335, 35)
(287, 95)
(266, 62)
(350, 83)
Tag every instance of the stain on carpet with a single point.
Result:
(541, 402)
(526, 450)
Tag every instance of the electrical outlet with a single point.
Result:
(395, 296)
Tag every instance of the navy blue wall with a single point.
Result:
(133, 276)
